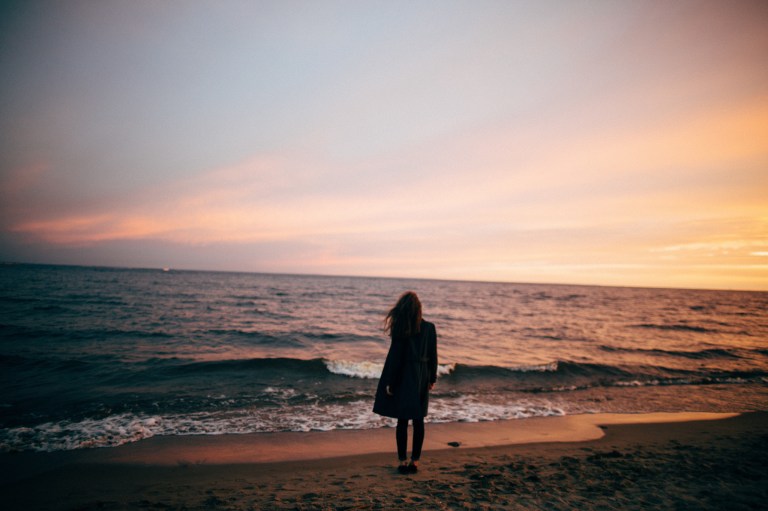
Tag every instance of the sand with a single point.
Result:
(650, 461)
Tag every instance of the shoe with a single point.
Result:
(412, 468)
(402, 468)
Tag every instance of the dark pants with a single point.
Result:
(401, 434)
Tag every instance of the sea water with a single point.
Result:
(97, 357)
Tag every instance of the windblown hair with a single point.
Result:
(404, 319)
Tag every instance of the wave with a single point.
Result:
(74, 335)
(537, 368)
(366, 370)
(296, 339)
(555, 371)
(467, 393)
(560, 298)
(681, 381)
(278, 364)
(362, 369)
(680, 327)
(371, 370)
(564, 376)
(119, 429)
(561, 375)
(307, 367)
(74, 365)
(251, 337)
(291, 412)
(141, 334)
(305, 415)
(231, 372)
(701, 354)
(655, 382)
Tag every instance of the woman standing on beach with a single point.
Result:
(410, 372)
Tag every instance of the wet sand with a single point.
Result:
(607, 461)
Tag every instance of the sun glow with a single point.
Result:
(639, 159)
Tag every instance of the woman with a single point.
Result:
(410, 372)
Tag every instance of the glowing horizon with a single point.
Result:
(595, 144)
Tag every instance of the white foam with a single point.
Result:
(549, 367)
(281, 393)
(365, 369)
(636, 383)
(120, 429)
(680, 381)
(443, 369)
(371, 370)
(471, 409)
(66, 435)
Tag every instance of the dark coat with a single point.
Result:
(410, 367)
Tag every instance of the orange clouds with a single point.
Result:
(678, 202)
(77, 230)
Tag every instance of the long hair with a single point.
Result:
(404, 319)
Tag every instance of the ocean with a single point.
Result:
(98, 357)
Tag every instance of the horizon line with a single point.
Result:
(168, 269)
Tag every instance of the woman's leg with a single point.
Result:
(401, 435)
(418, 438)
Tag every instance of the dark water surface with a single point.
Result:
(100, 357)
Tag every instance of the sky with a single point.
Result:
(576, 142)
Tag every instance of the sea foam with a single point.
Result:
(115, 430)
(371, 370)
(364, 369)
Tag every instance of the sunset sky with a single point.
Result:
(588, 142)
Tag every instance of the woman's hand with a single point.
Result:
(389, 391)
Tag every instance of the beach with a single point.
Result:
(602, 461)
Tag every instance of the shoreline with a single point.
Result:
(247, 448)
(635, 461)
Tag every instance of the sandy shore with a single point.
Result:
(651, 461)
